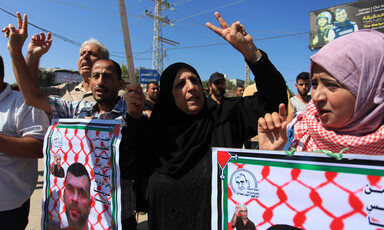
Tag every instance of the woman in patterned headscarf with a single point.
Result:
(347, 100)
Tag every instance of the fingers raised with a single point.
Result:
(49, 39)
(19, 20)
(36, 37)
(25, 24)
(22, 23)
(221, 21)
(49, 36)
(282, 112)
(214, 28)
(42, 36)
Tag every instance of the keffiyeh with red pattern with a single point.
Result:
(310, 135)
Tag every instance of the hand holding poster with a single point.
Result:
(307, 190)
(82, 176)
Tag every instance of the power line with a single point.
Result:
(183, 15)
(136, 53)
(207, 11)
(118, 56)
(90, 8)
(180, 2)
(226, 43)
(85, 7)
(65, 38)
(186, 47)
(42, 29)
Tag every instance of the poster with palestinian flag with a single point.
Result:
(82, 175)
(306, 190)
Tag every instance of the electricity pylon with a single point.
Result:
(158, 49)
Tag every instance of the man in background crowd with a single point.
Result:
(22, 130)
(105, 82)
(152, 94)
(303, 85)
(239, 91)
(216, 85)
(90, 51)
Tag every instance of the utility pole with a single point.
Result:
(158, 49)
(246, 74)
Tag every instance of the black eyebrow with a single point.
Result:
(329, 80)
(324, 79)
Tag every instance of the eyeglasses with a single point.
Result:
(243, 210)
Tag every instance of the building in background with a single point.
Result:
(237, 82)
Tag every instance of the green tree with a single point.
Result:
(124, 73)
(251, 82)
(205, 84)
(229, 85)
(291, 94)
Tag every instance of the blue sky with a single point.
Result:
(280, 28)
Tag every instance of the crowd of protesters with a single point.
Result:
(168, 137)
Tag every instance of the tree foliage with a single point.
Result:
(124, 73)
(230, 86)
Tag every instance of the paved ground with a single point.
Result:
(36, 201)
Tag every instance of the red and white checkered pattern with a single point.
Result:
(310, 135)
(78, 145)
(308, 199)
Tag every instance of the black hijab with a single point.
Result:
(181, 140)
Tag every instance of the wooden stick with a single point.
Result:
(127, 42)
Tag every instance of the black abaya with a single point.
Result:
(178, 146)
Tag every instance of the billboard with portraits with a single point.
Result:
(333, 22)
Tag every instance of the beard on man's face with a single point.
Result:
(219, 92)
(303, 93)
(80, 218)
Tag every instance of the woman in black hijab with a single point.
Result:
(176, 141)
